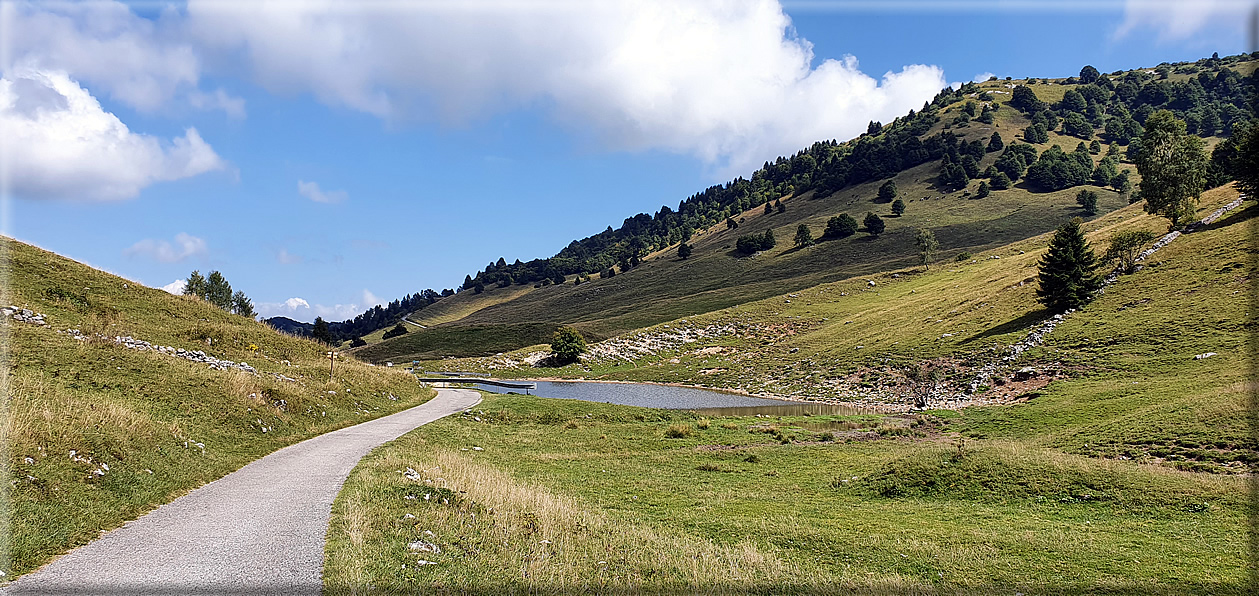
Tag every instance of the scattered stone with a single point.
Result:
(1204, 356)
(422, 546)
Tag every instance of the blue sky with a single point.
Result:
(325, 156)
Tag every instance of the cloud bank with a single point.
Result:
(185, 246)
(726, 82)
(58, 142)
(301, 310)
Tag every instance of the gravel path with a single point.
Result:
(258, 530)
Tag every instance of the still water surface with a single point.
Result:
(648, 395)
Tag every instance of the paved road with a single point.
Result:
(258, 530)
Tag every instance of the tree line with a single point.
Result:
(1213, 101)
(217, 291)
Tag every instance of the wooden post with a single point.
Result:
(331, 356)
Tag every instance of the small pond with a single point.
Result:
(703, 401)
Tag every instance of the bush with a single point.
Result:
(566, 345)
(684, 251)
(874, 224)
(1056, 170)
(399, 329)
(357, 342)
(840, 226)
(983, 191)
(1125, 246)
(804, 237)
(963, 256)
(1075, 125)
(1087, 199)
(1000, 181)
(755, 242)
(887, 191)
(678, 431)
(898, 207)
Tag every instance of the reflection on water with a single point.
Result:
(703, 401)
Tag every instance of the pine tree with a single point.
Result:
(898, 207)
(218, 292)
(804, 237)
(1068, 271)
(242, 305)
(195, 286)
(320, 331)
(887, 191)
(984, 190)
(995, 143)
(874, 224)
(1087, 200)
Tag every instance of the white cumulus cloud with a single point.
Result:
(176, 287)
(301, 310)
(370, 300)
(185, 246)
(144, 63)
(728, 82)
(58, 142)
(312, 191)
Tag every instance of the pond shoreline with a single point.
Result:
(880, 407)
(782, 401)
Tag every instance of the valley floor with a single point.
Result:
(1118, 463)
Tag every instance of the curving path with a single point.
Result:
(258, 530)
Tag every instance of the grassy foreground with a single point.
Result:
(1122, 470)
(574, 497)
(96, 434)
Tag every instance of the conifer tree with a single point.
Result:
(995, 143)
(887, 191)
(804, 237)
(320, 331)
(242, 305)
(874, 224)
(1068, 271)
(984, 190)
(898, 207)
(218, 292)
(195, 286)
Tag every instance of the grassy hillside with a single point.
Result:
(1121, 466)
(715, 276)
(97, 433)
(852, 341)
